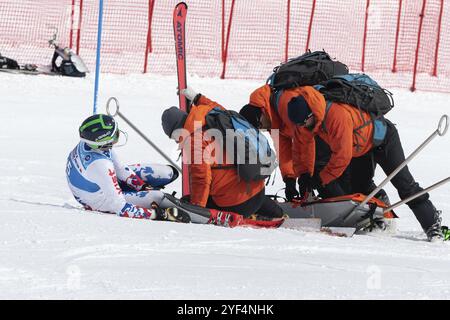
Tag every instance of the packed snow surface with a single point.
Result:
(51, 249)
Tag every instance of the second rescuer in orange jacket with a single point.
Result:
(304, 113)
(346, 131)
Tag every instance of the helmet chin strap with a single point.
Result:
(108, 146)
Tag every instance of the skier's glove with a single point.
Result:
(191, 95)
(290, 191)
(303, 184)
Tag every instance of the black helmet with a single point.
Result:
(99, 131)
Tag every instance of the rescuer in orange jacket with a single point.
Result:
(214, 183)
(263, 115)
(349, 134)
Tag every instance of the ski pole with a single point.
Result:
(118, 113)
(414, 196)
(98, 53)
(440, 131)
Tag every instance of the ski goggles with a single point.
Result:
(106, 142)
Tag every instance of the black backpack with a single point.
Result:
(308, 69)
(7, 63)
(252, 155)
(358, 90)
(364, 93)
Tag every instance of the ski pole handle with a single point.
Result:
(441, 130)
(118, 113)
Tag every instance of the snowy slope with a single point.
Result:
(48, 249)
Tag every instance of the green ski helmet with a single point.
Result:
(99, 131)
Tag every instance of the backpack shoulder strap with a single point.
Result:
(327, 108)
(275, 99)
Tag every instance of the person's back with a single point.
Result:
(214, 180)
(214, 174)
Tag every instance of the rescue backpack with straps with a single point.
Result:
(358, 90)
(7, 63)
(362, 92)
(308, 69)
(253, 157)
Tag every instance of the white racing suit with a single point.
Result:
(100, 182)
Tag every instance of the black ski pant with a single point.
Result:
(259, 204)
(389, 155)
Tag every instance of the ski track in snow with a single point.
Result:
(50, 248)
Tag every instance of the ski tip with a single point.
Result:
(181, 4)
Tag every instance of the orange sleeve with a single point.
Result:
(340, 128)
(200, 175)
(203, 100)
(305, 151)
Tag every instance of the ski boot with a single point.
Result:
(177, 215)
(170, 214)
(435, 232)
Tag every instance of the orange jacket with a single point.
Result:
(223, 185)
(297, 156)
(283, 145)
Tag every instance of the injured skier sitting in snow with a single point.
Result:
(215, 182)
(100, 182)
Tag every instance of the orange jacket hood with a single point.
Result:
(261, 98)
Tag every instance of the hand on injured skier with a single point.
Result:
(190, 94)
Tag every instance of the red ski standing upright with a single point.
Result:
(179, 22)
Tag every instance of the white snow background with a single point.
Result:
(49, 250)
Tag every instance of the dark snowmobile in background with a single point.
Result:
(67, 63)
(64, 62)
